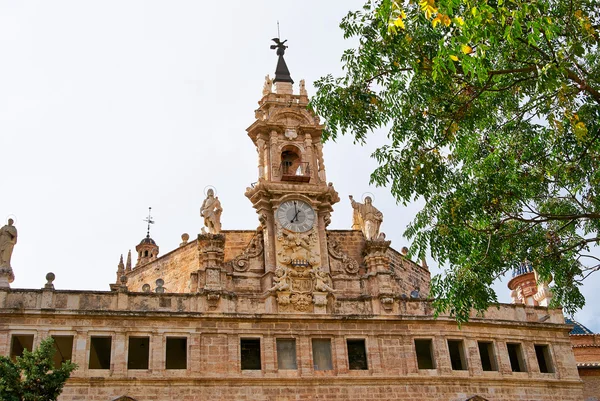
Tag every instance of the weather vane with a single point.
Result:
(149, 220)
(280, 46)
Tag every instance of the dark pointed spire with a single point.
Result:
(282, 74)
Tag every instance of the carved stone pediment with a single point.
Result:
(250, 259)
(340, 262)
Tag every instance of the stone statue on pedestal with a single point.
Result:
(8, 239)
(367, 218)
(211, 211)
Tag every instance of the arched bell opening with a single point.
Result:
(292, 166)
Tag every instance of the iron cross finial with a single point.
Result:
(149, 220)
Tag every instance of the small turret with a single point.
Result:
(147, 249)
(526, 287)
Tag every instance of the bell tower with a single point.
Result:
(291, 196)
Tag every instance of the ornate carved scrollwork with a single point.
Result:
(336, 252)
(297, 246)
(298, 286)
(241, 263)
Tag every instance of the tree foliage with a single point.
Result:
(493, 112)
(33, 376)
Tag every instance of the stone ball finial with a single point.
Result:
(146, 288)
(404, 251)
(184, 239)
(50, 277)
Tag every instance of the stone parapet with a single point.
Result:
(71, 301)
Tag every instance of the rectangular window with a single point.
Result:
(457, 355)
(250, 353)
(286, 353)
(100, 352)
(138, 353)
(63, 346)
(321, 348)
(515, 354)
(176, 354)
(542, 353)
(20, 342)
(357, 355)
(487, 356)
(424, 350)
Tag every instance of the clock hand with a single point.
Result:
(295, 217)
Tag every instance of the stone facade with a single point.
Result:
(290, 311)
(213, 349)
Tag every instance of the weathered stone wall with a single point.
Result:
(591, 383)
(408, 275)
(176, 266)
(213, 369)
(586, 348)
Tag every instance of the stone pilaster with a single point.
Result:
(212, 248)
(379, 275)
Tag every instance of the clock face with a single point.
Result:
(296, 215)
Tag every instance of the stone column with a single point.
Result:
(323, 242)
(321, 164)
(273, 158)
(260, 147)
(309, 157)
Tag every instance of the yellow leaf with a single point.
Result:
(453, 57)
(436, 21)
(403, 14)
(446, 20)
(466, 49)
(399, 23)
(580, 131)
(474, 11)
(459, 21)
(579, 14)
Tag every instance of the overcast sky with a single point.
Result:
(109, 107)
